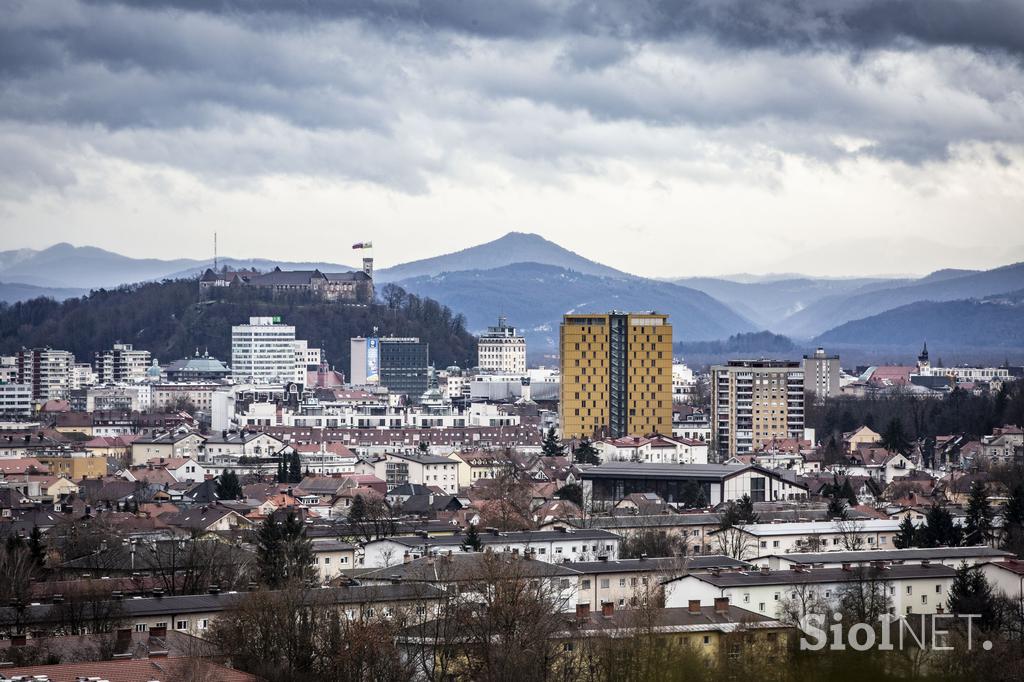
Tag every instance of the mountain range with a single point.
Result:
(534, 281)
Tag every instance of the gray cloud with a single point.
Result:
(397, 93)
(981, 24)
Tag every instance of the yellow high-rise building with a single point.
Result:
(616, 375)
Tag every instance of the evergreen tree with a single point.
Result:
(972, 593)
(298, 550)
(836, 508)
(939, 529)
(571, 492)
(737, 513)
(552, 446)
(37, 548)
(357, 512)
(269, 557)
(978, 526)
(895, 439)
(228, 486)
(283, 552)
(282, 471)
(745, 507)
(1013, 521)
(295, 469)
(586, 453)
(473, 538)
(906, 536)
(847, 492)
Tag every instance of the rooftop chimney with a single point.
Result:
(721, 604)
(582, 612)
(694, 606)
(607, 609)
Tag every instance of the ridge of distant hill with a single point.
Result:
(534, 297)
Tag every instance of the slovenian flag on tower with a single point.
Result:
(363, 245)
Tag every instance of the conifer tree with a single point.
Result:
(978, 526)
(552, 446)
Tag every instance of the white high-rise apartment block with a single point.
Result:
(501, 350)
(263, 352)
(47, 371)
(122, 364)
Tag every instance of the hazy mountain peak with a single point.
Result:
(510, 248)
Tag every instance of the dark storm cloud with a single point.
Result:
(981, 24)
(394, 93)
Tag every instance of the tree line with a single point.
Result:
(169, 319)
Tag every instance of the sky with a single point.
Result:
(665, 138)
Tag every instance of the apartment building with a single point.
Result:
(47, 371)
(754, 401)
(821, 374)
(430, 470)
(263, 352)
(15, 400)
(616, 371)
(122, 364)
(502, 350)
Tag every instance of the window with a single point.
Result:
(181, 625)
(746, 597)
(585, 584)
(604, 583)
(141, 627)
(622, 582)
(938, 589)
(707, 639)
(761, 606)
(775, 543)
(910, 589)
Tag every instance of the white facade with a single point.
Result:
(263, 351)
(683, 382)
(657, 450)
(778, 538)
(82, 376)
(909, 591)
(15, 399)
(546, 546)
(306, 357)
(122, 364)
(502, 350)
(429, 470)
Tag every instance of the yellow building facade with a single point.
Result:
(616, 374)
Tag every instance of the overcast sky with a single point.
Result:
(664, 138)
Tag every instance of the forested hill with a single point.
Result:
(168, 319)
